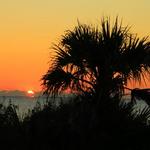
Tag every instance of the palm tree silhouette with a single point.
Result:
(97, 60)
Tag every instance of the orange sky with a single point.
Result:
(29, 27)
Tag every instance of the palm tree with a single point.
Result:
(97, 60)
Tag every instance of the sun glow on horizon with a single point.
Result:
(30, 93)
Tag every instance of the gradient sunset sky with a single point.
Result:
(29, 27)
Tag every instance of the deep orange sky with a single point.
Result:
(29, 27)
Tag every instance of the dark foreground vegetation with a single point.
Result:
(75, 125)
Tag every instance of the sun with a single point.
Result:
(30, 93)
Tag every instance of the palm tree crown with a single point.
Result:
(97, 60)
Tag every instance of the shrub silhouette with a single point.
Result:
(70, 126)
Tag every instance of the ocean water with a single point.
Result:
(24, 103)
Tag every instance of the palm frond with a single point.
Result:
(142, 115)
(56, 80)
(136, 53)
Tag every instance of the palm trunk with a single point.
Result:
(103, 88)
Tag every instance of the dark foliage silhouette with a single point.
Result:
(69, 126)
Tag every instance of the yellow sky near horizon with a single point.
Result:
(29, 27)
